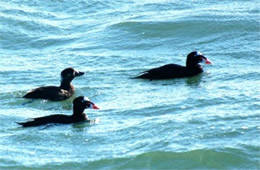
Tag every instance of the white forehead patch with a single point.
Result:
(85, 99)
(198, 53)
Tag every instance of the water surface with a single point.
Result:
(210, 121)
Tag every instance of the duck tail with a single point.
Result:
(27, 124)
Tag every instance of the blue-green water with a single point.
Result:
(210, 121)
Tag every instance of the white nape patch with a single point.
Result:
(61, 79)
(198, 53)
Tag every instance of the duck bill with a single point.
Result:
(79, 73)
(207, 61)
(95, 106)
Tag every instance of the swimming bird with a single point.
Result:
(170, 71)
(63, 92)
(79, 104)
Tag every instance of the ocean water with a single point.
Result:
(210, 121)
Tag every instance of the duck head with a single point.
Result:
(68, 74)
(81, 103)
(196, 57)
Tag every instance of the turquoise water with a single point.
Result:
(210, 121)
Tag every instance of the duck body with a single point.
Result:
(50, 93)
(55, 93)
(79, 104)
(170, 71)
(56, 119)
